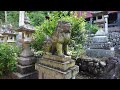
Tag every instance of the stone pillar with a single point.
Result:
(26, 66)
(5, 16)
(21, 18)
(91, 20)
(21, 23)
(106, 23)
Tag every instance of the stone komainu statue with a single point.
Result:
(58, 43)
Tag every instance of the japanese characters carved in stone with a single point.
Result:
(58, 43)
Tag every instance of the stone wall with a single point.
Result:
(102, 68)
(93, 66)
(114, 37)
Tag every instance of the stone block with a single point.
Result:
(33, 75)
(57, 58)
(58, 65)
(99, 53)
(25, 69)
(51, 73)
(100, 33)
(100, 45)
(27, 53)
(100, 39)
(26, 61)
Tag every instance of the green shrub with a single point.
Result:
(46, 28)
(8, 56)
(78, 32)
(36, 17)
(93, 28)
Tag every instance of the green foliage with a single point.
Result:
(78, 32)
(38, 38)
(13, 18)
(36, 17)
(47, 27)
(2, 16)
(91, 27)
(8, 57)
(78, 35)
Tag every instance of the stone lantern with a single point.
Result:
(26, 61)
(10, 35)
(101, 19)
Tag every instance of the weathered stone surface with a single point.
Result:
(58, 65)
(113, 29)
(57, 58)
(26, 53)
(51, 73)
(100, 39)
(101, 45)
(25, 69)
(92, 66)
(99, 53)
(112, 69)
(58, 43)
(26, 61)
(33, 75)
(100, 33)
(114, 37)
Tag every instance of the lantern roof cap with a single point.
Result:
(25, 28)
(97, 13)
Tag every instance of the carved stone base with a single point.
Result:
(99, 53)
(25, 69)
(26, 66)
(63, 66)
(46, 72)
(33, 75)
(56, 67)
(26, 60)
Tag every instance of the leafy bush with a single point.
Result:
(46, 28)
(8, 56)
(91, 27)
(78, 32)
(36, 17)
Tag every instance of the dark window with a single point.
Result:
(10, 37)
(87, 19)
(27, 35)
(94, 18)
(112, 18)
(99, 17)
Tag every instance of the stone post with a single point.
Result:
(21, 23)
(5, 16)
(106, 23)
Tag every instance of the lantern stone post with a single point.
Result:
(26, 60)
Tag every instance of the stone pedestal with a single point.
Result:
(26, 66)
(100, 47)
(56, 67)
